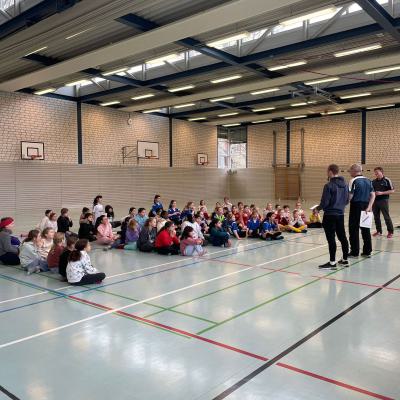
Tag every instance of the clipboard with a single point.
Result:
(366, 219)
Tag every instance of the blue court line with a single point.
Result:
(64, 295)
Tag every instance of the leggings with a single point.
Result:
(90, 278)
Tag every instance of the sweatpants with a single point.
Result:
(382, 206)
(334, 225)
(90, 278)
(39, 262)
(196, 250)
(354, 230)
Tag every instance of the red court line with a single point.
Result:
(235, 349)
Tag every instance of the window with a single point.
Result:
(232, 148)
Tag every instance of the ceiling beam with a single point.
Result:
(381, 16)
(225, 15)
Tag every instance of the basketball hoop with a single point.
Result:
(34, 156)
(204, 164)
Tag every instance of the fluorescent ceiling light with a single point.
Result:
(222, 99)
(136, 68)
(228, 114)
(185, 105)
(115, 71)
(263, 109)
(77, 34)
(151, 111)
(352, 96)
(381, 106)
(82, 82)
(238, 36)
(36, 51)
(358, 50)
(44, 91)
(161, 60)
(305, 17)
(335, 112)
(228, 125)
(264, 91)
(110, 103)
(197, 119)
(143, 96)
(304, 103)
(97, 79)
(260, 122)
(378, 71)
(178, 89)
(296, 116)
(284, 66)
(227, 78)
(323, 80)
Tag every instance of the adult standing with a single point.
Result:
(335, 197)
(362, 198)
(383, 188)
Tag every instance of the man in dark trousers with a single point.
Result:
(383, 188)
(335, 197)
(362, 197)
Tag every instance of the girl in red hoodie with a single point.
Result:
(166, 240)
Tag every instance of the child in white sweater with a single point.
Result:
(80, 270)
(29, 253)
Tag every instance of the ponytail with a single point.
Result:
(80, 245)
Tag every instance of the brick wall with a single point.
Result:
(25, 117)
(190, 138)
(383, 139)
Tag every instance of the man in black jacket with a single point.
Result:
(335, 197)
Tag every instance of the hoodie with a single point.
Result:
(335, 196)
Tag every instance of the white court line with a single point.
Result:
(48, 331)
(34, 294)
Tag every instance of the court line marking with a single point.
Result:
(300, 342)
(198, 260)
(33, 294)
(48, 331)
(8, 394)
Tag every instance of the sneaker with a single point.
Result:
(365, 255)
(344, 263)
(328, 265)
(35, 270)
(390, 235)
(351, 255)
(304, 231)
(377, 234)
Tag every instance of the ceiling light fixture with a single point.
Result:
(197, 119)
(358, 50)
(396, 90)
(284, 66)
(264, 91)
(263, 109)
(77, 34)
(184, 105)
(352, 96)
(151, 111)
(115, 71)
(381, 106)
(36, 51)
(225, 79)
(260, 122)
(143, 96)
(110, 103)
(305, 17)
(161, 60)
(238, 36)
(222, 99)
(378, 71)
(228, 114)
(180, 88)
(296, 116)
(44, 91)
(324, 80)
(229, 125)
(82, 82)
(335, 112)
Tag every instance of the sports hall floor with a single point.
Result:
(257, 321)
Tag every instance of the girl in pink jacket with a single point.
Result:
(104, 233)
(191, 246)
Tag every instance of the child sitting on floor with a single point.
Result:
(132, 235)
(174, 213)
(8, 243)
(29, 253)
(161, 220)
(62, 265)
(190, 245)
(47, 242)
(44, 221)
(147, 236)
(64, 222)
(80, 270)
(269, 229)
(253, 225)
(85, 210)
(234, 229)
(141, 217)
(166, 241)
(157, 204)
(315, 220)
(105, 235)
(218, 236)
(87, 229)
(297, 224)
(53, 258)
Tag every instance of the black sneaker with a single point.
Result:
(365, 255)
(351, 255)
(328, 265)
(344, 263)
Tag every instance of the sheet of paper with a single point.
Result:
(366, 219)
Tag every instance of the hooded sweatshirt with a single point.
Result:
(335, 196)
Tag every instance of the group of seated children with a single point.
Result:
(53, 247)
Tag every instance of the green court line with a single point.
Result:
(276, 298)
(231, 286)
